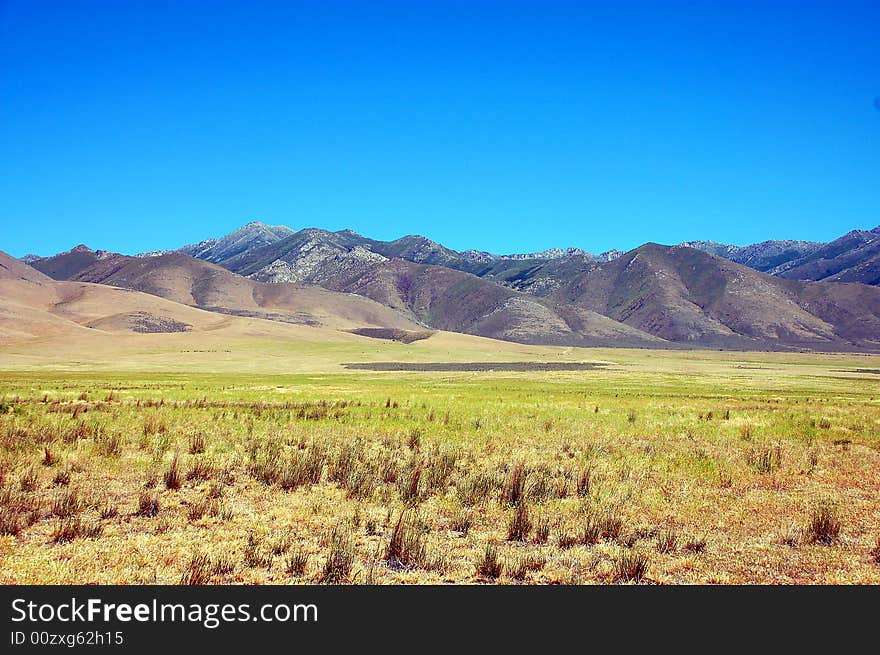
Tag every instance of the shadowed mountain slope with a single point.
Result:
(66, 265)
(689, 296)
(446, 299)
(854, 257)
(765, 256)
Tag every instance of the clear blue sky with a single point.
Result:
(504, 126)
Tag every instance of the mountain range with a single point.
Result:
(279, 254)
(777, 295)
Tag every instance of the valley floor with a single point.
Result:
(162, 460)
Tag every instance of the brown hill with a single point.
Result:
(689, 296)
(65, 265)
(190, 281)
(12, 269)
(34, 305)
(447, 299)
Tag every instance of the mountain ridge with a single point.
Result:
(854, 257)
(651, 296)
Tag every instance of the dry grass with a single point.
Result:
(631, 566)
(724, 475)
(490, 565)
(824, 526)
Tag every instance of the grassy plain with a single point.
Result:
(166, 460)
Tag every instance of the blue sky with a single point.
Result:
(502, 126)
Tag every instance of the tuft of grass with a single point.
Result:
(631, 566)
(489, 565)
(173, 478)
(29, 480)
(254, 556)
(514, 489)
(667, 541)
(10, 523)
(824, 525)
(198, 570)
(296, 563)
(409, 484)
(520, 525)
(197, 443)
(200, 469)
(463, 521)
(67, 504)
(520, 565)
(695, 545)
(148, 504)
(407, 546)
(340, 559)
(62, 478)
(74, 528)
(583, 482)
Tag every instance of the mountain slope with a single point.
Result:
(765, 256)
(34, 305)
(689, 296)
(854, 257)
(253, 235)
(278, 254)
(446, 299)
(538, 277)
(194, 282)
(308, 256)
(66, 265)
(315, 256)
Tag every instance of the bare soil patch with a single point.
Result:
(475, 366)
